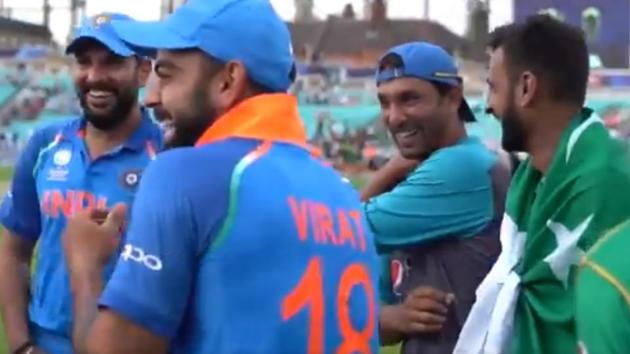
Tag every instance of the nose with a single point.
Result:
(395, 116)
(96, 73)
(152, 93)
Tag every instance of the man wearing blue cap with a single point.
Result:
(89, 162)
(436, 221)
(244, 243)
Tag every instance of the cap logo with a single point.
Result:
(100, 20)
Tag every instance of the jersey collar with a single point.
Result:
(145, 132)
(271, 117)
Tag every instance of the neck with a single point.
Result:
(545, 138)
(456, 132)
(99, 142)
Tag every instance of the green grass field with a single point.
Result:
(5, 178)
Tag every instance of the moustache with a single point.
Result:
(84, 90)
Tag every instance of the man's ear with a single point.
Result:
(455, 96)
(144, 70)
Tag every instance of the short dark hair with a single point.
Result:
(394, 61)
(554, 51)
(214, 65)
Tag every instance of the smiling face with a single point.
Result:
(107, 84)
(196, 89)
(502, 103)
(416, 114)
(188, 92)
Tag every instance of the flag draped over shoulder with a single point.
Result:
(525, 304)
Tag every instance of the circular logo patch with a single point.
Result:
(130, 179)
(62, 157)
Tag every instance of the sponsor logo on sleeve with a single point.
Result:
(132, 253)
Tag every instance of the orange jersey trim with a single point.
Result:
(272, 117)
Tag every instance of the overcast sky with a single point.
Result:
(451, 13)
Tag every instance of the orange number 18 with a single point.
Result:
(310, 291)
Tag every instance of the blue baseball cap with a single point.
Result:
(99, 28)
(248, 31)
(425, 61)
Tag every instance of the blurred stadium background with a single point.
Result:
(336, 57)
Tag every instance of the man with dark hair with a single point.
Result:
(244, 242)
(87, 162)
(574, 186)
(438, 225)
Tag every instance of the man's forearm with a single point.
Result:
(387, 177)
(378, 184)
(388, 329)
(14, 300)
(86, 290)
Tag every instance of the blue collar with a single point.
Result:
(144, 134)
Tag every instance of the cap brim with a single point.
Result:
(116, 48)
(465, 112)
(149, 36)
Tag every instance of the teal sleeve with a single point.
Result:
(449, 194)
(385, 282)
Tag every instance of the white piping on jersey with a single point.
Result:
(50, 146)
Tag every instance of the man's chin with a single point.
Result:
(173, 140)
(412, 154)
(104, 121)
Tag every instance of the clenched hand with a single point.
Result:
(92, 237)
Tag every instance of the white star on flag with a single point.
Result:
(567, 252)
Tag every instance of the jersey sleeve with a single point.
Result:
(19, 212)
(172, 221)
(436, 200)
(602, 314)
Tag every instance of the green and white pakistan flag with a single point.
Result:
(525, 305)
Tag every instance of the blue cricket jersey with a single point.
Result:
(53, 177)
(248, 244)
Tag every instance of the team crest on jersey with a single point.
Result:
(62, 158)
(59, 172)
(397, 269)
(130, 179)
